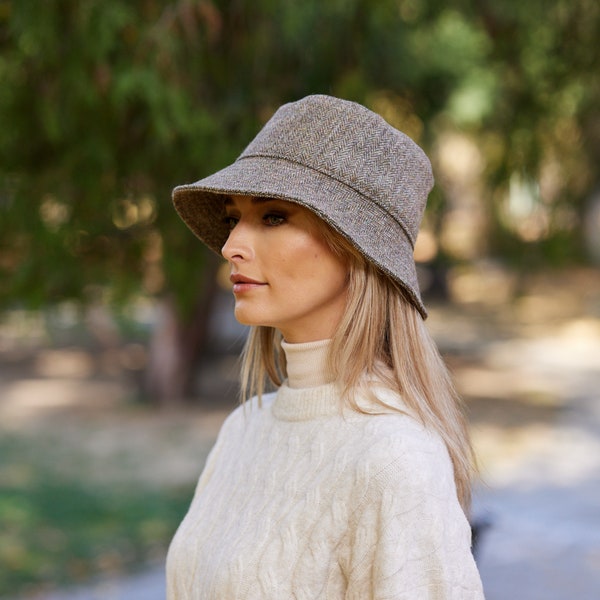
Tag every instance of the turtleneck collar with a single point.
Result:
(309, 391)
(307, 364)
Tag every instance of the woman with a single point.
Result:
(352, 479)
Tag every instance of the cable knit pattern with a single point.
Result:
(299, 500)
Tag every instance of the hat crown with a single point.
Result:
(368, 181)
(357, 147)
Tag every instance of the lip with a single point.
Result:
(241, 283)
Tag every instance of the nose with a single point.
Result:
(239, 244)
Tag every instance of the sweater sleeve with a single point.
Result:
(229, 430)
(410, 539)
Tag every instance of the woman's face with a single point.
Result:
(283, 272)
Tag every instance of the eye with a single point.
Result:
(230, 221)
(272, 219)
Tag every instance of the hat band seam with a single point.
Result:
(326, 174)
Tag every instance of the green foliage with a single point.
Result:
(106, 105)
(60, 529)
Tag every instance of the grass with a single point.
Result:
(60, 526)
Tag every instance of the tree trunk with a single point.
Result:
(176, 345)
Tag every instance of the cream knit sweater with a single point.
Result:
(299, 501)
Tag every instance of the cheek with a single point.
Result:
(299, 259)
(304, 258)
(328, 270)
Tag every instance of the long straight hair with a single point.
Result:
(380, 336)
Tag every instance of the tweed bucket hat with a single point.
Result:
(340, 160)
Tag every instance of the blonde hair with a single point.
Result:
(381, 335)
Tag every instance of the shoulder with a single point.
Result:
(398, 450)
(392, 427)
(401, 444)
(249, 412)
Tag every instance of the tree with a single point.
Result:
(105, 105)
(545, 123)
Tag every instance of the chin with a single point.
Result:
(244, 318)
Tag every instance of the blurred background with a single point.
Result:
(117, 346)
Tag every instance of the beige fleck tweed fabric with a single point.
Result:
(365, 178)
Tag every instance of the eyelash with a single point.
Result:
(230, 222)
(268, 219)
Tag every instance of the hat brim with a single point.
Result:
(345, 209)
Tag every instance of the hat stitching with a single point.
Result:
(296, 162)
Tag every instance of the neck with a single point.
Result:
(307, 364)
